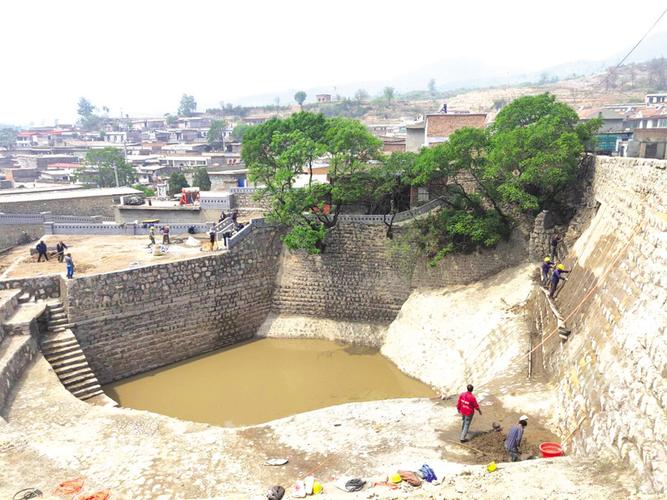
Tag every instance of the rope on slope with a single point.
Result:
(590, 292)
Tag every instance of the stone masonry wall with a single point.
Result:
(610, 374)
(94, 205)
(135, 320)
(18, 234)
(359, 278)
(42, 287)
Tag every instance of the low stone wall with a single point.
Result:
(42, 288)
(19, 234)
(135, 320)
(17, 352)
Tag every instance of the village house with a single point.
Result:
(322, 98)
(434, 129)
(652, 99)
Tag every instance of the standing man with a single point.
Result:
(60, 248)
(556, 276)
(555, 240)
(211, 236)
(70, 266)
(544, 270)
(151, 236)
(514, 437)
(165, 234)
(466, 406)
(41, 250)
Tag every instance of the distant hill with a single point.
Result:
(451, 74)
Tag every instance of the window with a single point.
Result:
(651, 150)
(662, 123)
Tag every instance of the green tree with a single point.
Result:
(85, 108)
(239, 131)
(431, 87)
(170, 120)
(201, 179)
(187, 106)
(216, 133)
(106, 167)
(176, 182)
(300, 97)
(8, 137)
(88, 119)
(279, 151)
(526, 161)
(388, 95)
(361, 95)
(536, 147)
(148, 191)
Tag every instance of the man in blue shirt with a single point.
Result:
(556, 276)
(514, 437)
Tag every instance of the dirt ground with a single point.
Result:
(95, 254)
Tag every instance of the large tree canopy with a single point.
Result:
(280, 155)
(527, 160)
(187, 106)
(106, 167)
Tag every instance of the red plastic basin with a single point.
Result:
(549, 450)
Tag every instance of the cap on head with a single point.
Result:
(470, 387)
(561, 267)
(523, 418)
(547, 259)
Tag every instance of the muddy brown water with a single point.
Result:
(264, 380)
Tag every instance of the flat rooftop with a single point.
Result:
(68, 194)
(39, 189)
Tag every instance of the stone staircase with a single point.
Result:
(62, 350)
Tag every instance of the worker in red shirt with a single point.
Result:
(466, 406)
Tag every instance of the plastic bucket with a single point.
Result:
(549, 450)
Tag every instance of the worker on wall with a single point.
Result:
(545, 269)
(466, 406)
(556, 276)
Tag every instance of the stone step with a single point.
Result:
(69, 365)
(56, 310)
(52, 344)
(97, 394)
(57, 322)
(87, 392)
(62, 356)
(71, 377)
(84, 383)
(58, 315)
(57, 329)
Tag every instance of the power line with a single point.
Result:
(642, 38)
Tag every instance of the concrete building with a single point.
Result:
(323, 98)
(66, 202)
(659, 98)
(439, 127)
(648, 143)
(185, 161)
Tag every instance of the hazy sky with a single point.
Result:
(142, 55)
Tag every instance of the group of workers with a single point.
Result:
(42, 252)
(467, 405)
(165, 235)
(551, 273)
